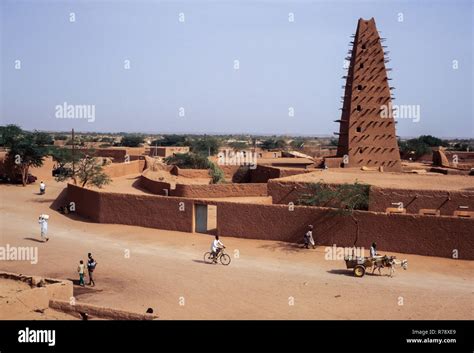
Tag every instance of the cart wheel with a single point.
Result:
(359, 271)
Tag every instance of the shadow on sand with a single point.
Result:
(344, 272)
(34, 239)
(285, 247)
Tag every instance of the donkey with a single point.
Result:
(389, 261)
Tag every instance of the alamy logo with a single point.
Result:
(19, 253)
(402, 111)
(247, 158)
(340, 253)
(37, 336)
(75, 111)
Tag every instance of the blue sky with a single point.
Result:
(191, 65)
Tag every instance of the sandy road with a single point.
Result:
(165, 271)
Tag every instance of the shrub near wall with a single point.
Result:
(414, 234)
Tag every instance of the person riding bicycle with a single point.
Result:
(216, 247)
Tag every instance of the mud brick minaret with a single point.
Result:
(367, 135)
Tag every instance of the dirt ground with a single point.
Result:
(142, 267)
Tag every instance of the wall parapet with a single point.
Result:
(220, 190)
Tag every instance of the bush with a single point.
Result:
(348, 197)
(131, 140)
(196, 161)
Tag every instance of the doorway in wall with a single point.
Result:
(205, 219)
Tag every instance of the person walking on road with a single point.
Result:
(91, 264)
(43, 221)
(308, 238)
(82, 272)
(42, 187)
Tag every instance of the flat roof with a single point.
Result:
(285, 160)
(428, 181)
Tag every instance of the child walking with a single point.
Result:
(82, 271)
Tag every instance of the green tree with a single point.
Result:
(417, 147)
(60, 137)
(188, 161)
(196, 161)
(132, 140)
(90, 171)
(273, 143)
(297, 143)
(238, 145)
(43, 138)
(25, 149)
(170, 140)
(65, 160)
(346, 198)
(206, 146)
(10, 134)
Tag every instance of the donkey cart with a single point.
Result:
(359, 264)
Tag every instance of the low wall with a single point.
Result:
(382, 198)
(98, 311)
(414, 200)
(36, 297)
(154, 186)
(203, 191)
(262, 174)
(115, 170)
(413, 234)
(191, 173)
(151, 211)
(333, 162)
(219, 190)
(235, 173)
(286, 192)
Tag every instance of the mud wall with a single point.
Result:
(414, 200)
(413, 234)
(203, 191)
(286, 192)
(262, 174)
(220, 190)
(147, 211)
(141, 210)
(115, 170)
(191, 173)
(86, 202)
(333, 162)
(382, 198)
(154, 186)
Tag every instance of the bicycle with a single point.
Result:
(221, 256)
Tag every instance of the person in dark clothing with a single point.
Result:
(91, 264)
(308, 238)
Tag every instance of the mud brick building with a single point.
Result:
(366, 136)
